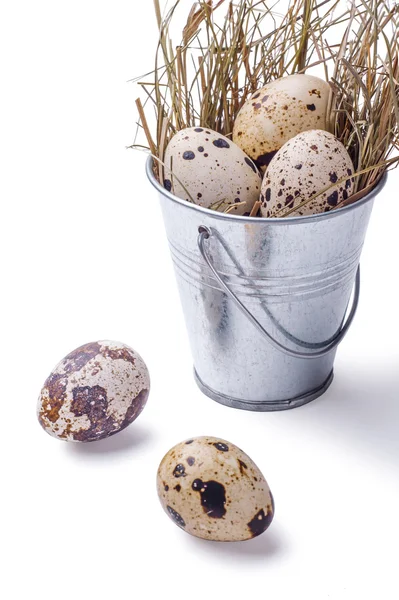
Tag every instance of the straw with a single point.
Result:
(227, 50)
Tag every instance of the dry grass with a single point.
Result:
(229, 49)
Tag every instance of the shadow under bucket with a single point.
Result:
(265, 300)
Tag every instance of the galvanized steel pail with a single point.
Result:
(265, 300)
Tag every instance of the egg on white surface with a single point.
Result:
(213, 490)
(208, 169)
(94, 392)
(307, 164)
(279, 111)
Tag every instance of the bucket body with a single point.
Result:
(294, 275)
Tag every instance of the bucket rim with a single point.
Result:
(261, 220)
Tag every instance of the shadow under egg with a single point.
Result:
(129, 439)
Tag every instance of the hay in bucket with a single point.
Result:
(228, 50)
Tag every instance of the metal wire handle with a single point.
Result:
(205, 233)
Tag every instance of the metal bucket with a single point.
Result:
(265, 300)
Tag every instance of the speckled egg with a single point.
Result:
(213, 490)
(94, 392)
(278, 112)
(307, 164)
(206, 168)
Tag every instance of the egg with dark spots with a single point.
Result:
(223, 496)
(210, 170)
(324, 168)
(283, 108)
(94, 392)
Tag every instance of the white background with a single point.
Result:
(84, 257)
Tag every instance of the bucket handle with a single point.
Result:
(205, 233)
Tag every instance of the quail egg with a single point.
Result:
(213, 490)
(208, 169)
(94, 392)
(307, 164)
(279, 111)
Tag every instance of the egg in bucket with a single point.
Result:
(270, 283)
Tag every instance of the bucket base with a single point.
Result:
(266, 406)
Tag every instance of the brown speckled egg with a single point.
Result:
(278, 112)
(213, 490)
(206, 168)
(309, 163)
(94, 392)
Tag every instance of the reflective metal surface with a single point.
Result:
(293, 276)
